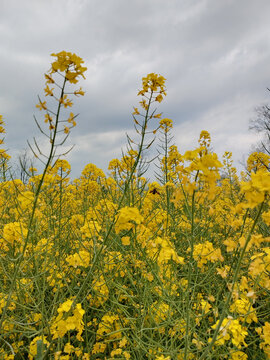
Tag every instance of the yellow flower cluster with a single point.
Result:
(244, 306)
(63, 323)
(14, 234)
(166, 124)
(231, 330)
(82, 258)
(205, 252)
(153, 83)
(257, 161)
(257, 188)
(69, 63)
(71, 66)
(264, 333)
(38, 342)
(127, 219)
(205, 138)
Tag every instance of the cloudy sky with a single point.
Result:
(214, 54)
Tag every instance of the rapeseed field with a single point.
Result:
(117, 267)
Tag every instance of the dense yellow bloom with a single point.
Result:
(224, 271)
(92, 172)
(256, 189)
(191, 154)
(127, 218)
(231, 330)
(82, 258)
(244, 307)
(62, 324)
(98, 348)
(259, 267)
(69, 63)
(166, 124)
(264, 332)
(109, 327)
(231, 244)
(163, 250)
(65, 307)
(258, 160)
(205, 138)
(26, 199)
(266, 217)
(14, 233)
(153, 82)
(205, 252)
(125, 240)
(90, 229)
(238, 355)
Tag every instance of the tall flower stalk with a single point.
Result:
(153, 90)
(69, 68)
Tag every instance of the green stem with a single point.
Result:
(190, 269)
(166, 180)
(234, 280)
(21, 257)
(98, 253)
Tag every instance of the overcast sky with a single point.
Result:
(214, 54)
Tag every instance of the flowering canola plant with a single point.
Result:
(117, 267)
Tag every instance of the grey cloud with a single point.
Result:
(214, 54)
